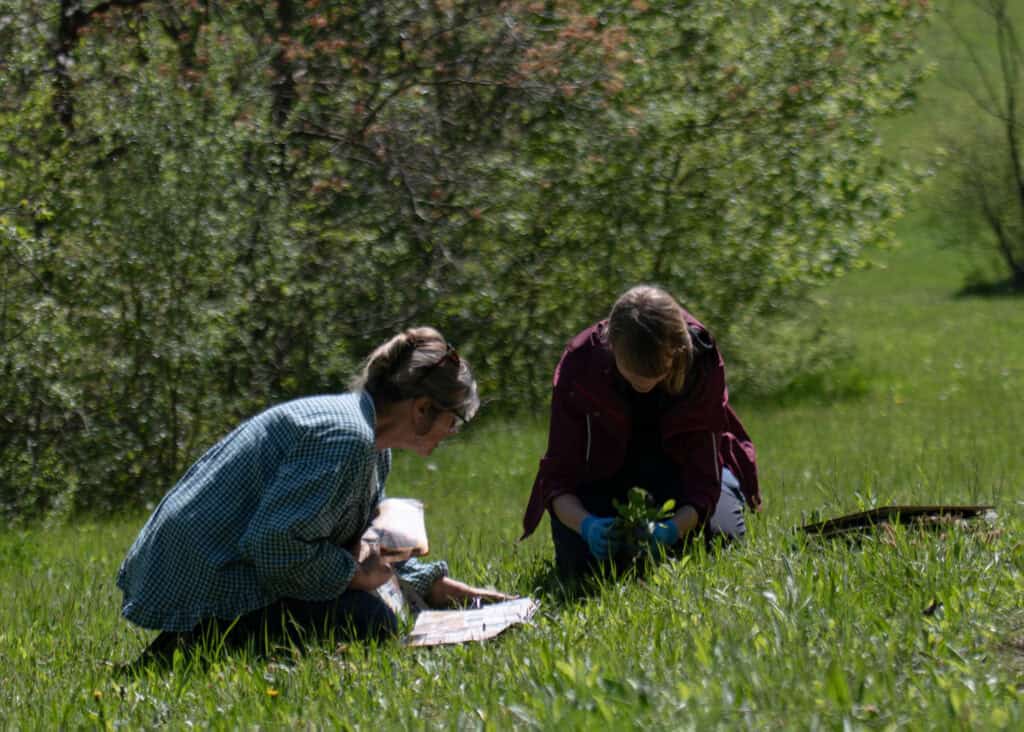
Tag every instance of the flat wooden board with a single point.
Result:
(863, 520)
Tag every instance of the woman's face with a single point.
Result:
(430, 428)
(642, 384)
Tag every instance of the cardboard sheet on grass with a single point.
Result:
(438, 627)
(927, 515)
(398, 532)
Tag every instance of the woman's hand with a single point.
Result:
(596, 532)
(371, 573)
(446, 592)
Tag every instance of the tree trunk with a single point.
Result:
(71, 20)
(283, 87)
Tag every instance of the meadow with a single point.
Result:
(904, 629)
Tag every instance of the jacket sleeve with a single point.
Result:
(564, 463)
(693, 435)
(288, 539)
(740, 456)
(697, 457)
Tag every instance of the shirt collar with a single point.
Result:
(369, 409)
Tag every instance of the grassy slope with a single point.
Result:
(777, 633)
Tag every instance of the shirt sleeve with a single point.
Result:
(420, 575)
(288, 539)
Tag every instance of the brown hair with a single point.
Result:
(648, 334)
(415, 363)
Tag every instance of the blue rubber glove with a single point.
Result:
(594, 531)
(664, 533)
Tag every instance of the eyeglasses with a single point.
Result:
(458, 423)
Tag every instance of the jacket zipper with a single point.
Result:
(718, 463)
(588, 440)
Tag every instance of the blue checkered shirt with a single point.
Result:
(266, 513)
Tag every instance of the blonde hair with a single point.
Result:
(415, 363)
(648, 333)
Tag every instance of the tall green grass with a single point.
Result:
(908, 628)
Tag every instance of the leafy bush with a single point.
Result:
(210, 206)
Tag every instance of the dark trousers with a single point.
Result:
(660, 478)
(354, 615)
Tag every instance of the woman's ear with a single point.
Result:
(422, 415)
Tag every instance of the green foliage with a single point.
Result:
(207, 207)
(631, 532)
(639, 509)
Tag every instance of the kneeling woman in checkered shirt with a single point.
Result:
(256, 540)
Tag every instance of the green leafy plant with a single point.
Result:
(631, 532)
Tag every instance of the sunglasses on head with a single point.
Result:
(450, 356)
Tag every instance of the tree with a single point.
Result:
(987, 166)
(736, 163)
(207, 206)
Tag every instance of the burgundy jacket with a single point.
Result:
(591, 425)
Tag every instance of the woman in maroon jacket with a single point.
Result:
(640, 400)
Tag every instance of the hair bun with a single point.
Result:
(411, 340)
(406, 366)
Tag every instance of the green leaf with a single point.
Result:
(836, 687)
